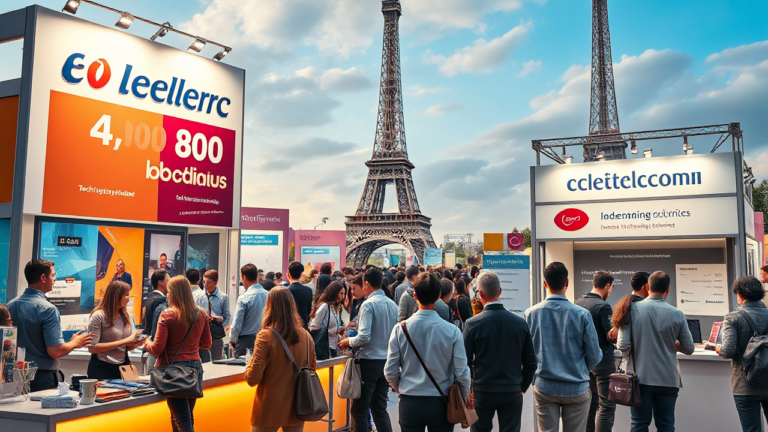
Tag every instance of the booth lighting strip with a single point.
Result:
(126, 19)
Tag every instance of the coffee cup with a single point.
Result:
(88, 388)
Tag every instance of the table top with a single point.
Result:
(213, 375)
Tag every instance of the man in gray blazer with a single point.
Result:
(659, 331)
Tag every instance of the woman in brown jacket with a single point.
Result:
(271, 369)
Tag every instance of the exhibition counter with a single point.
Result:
(76, 362)
(705, 403)
(227, 404)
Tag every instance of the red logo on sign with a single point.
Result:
(571, 219)
(515, 241)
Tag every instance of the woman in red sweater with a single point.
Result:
(182, 313)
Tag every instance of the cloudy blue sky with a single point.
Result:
(481, 79)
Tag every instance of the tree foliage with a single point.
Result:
(760, 196)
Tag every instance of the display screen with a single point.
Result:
(5, 242)
(87, 257)
(316, 256)
(264, 249)
(203, 251)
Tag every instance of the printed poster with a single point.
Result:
(702, 289)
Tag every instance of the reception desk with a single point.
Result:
(226, 405)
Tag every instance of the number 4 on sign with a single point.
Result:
(104, 123)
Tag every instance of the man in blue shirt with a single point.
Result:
(567, 334)
(216, 304)
(378, 315)
(248, 311)
(39, 325)
(441, 347)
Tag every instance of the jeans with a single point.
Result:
(601, 411)
(572, 410)
(182, 416)
(508, 406)
(373, 397)
(423, 412)
(659, 405)
(44, 380)
(749, 411)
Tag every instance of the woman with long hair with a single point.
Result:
(327, 314)
(113, 333)
(168, 346)
(5, 316)
(399, 279)
(460, 304)
(270, 367)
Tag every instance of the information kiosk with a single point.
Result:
(690, 216)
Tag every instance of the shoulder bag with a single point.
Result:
(309, 401)
(217, 328)
(177, 381)
(457, 409)
(320, 338)
(624, 388)
(349, 384)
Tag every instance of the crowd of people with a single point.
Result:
(416, 331)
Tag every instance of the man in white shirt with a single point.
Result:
(441, 346)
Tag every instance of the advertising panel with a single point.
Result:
(315, 256)
(264, 249)
(514, 272)
(450, 259)
(659, 218)
(129, 129)
(203, 251)
(9, 114)
(673, 176)
(702, 289)
(264, 232)
(334, 241)
(433, 256)
(503, 242)
(395, 260)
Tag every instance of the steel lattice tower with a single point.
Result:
(603, 114)
(371, 229)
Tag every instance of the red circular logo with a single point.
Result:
(571, 219)
(105, 75)
(515, 241)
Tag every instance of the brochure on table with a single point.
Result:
(702, 289)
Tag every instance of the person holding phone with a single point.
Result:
(113, 333)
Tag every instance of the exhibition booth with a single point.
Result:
(690, 216)
(313, 248)
(264, 238)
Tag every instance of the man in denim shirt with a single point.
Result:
(39, 325)
(567, 334)
(248, 311)
(216, 304)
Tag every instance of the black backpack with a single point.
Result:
(754, 363)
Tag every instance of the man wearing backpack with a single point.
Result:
(737, 333)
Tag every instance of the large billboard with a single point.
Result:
(124, 128)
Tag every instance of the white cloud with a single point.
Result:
(348, 80)
(339, 27)
(420, 91)
(740, 56)
(482, 56)
(438, 110)
(529, 67)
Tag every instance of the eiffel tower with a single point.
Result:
(370, 228)
(603, 114)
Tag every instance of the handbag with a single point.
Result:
(217, 328)
(624, 388)
(320, 338)
(309, 401)
(457, 409)
(177, 381)
(349, 384)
